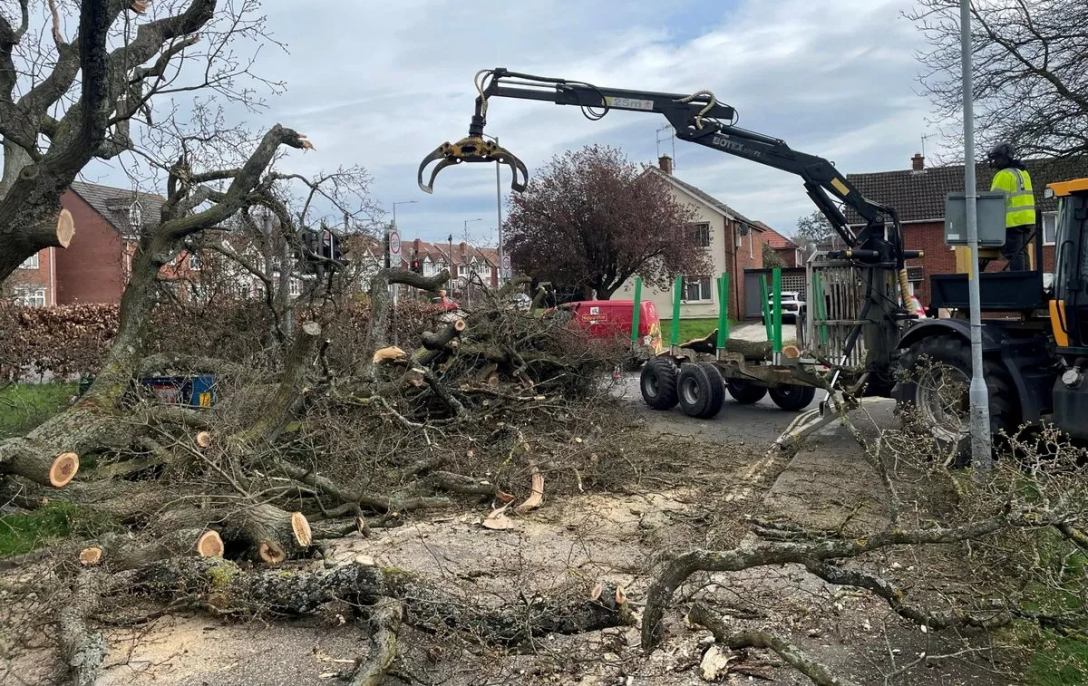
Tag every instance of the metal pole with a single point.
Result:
(498, 211)
(677, 295)
(981, 455)
(636, 312)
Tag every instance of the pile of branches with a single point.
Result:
(195, 505)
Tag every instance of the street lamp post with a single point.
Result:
(468, 276)
(498, 207)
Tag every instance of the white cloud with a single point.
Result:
(382, 84)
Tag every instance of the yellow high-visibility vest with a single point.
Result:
(1019, 198)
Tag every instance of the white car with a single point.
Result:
(791, 305)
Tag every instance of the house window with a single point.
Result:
(294, 287)
(696, 289)
(701, 233)
(30, 263)
(30, 297)
(1050, 227)
(462, 271)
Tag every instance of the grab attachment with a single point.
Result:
(473, 148)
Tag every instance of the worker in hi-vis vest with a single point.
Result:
(1014, 180)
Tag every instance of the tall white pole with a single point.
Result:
(981, 454)
(498, 211)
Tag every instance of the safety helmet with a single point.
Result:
(1002, 152)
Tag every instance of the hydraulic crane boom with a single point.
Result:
(698, 118)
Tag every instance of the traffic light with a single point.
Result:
(417, 264)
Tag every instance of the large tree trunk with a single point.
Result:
(223, 585)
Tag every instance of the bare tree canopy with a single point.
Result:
(1030, 71)
(71, 86)
(595, 219)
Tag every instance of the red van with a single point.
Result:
(612, 319)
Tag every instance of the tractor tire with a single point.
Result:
(658, 384)
(745, 392)
(701, 390)
(793, 398)
(924, 403)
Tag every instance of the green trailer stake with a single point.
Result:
(634, 315)
(776, 339)
(723, 309)
(819, 311)
(765, 298)
(677, 294)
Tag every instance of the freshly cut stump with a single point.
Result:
(90, 556)
(301, 528)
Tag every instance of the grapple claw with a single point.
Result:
(473, 149)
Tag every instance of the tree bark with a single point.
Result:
(385, 619)
(83, 649)
(223, 585)
(119, 553)
(819, 673)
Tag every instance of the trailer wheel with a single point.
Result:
(701, 390)
(745, 392)
(936, 396)
(793, 398)
(658, 384)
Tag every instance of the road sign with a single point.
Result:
(506, 263)
(394, 245)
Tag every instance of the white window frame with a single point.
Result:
(706, 290)
(31, 296)
(1054, 233)
(31, 262)
(294, 287)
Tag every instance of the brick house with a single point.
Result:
(918, 194)
(786, 249)
(95, 266)
(734, 242)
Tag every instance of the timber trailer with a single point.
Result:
(861, 336)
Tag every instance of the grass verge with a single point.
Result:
(25, 406)
(689, 328)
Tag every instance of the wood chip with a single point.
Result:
(498, 521)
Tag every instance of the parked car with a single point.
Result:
(605, 319)
(792, 305)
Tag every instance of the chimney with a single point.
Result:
(416, 245)
(665, 164)
(918, 162)
(463, 248)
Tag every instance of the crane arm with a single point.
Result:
(698, 118)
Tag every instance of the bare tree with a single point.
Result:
(69, 97)
(1030, 70)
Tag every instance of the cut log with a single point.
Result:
(228, 588)
(751, 350)
(66, 228)
(245, 530)
(271, 552)
(204, 439)
(90, 556)
(209, 545)
(791, 352)
(301, 529)
(19, 456)
(120, 553)
(459, 483)
(390, 354)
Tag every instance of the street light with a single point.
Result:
(498, 204)
(403, 202)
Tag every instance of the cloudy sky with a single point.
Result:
(381, 84)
